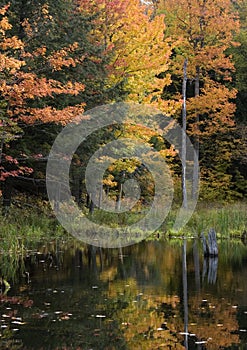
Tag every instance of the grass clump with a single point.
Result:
(23, 227)
(229, 221)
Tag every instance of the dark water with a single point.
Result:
(147, 296)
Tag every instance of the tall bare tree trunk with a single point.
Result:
(183, 151)
(196, 142)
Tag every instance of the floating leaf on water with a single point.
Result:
(18, 322)
(17, 318)
(64, 317)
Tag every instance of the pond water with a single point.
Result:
(154, 295)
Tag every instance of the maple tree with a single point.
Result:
(203, 31)
(22, 90)
(138, 51)
(60, 65)
(138, 61)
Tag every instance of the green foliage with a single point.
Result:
(239, 54)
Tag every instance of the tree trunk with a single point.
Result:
(183, 151)
(196, 142)
(212, 243)
(91, 203)
(210, 248)
(119, 197)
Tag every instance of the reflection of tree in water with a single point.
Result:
(211, 324)
(137, 301)
(210, 267)
(144, 318)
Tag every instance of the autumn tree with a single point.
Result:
(135, 43)
(203, 31)
(138, 54)
(27, 96)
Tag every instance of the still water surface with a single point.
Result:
(147, 296)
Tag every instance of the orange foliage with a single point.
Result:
(18, 87)
(203, 31)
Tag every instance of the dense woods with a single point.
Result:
(60, 58)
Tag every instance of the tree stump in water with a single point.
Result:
(210, 248)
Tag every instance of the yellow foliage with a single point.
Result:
(137, 47)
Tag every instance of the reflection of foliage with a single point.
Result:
(93, 299)
(214, 321)
(144, 327)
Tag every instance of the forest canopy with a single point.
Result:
(61, 58)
